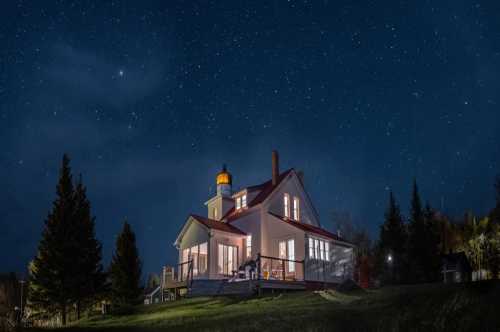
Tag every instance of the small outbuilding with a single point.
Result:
(456, 268)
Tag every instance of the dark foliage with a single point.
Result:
(125, 269)
(67, 268)
(393, 237)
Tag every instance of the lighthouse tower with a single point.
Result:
(222, 202)
(224, 182)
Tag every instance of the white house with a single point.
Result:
(267, 232)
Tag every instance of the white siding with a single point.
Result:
(294, 188)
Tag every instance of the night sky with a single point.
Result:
(149, 99)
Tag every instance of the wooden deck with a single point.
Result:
(170, 284)
(280, 284)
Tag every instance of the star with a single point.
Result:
(121, 73)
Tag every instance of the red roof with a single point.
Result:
(265, 189)
(310, 228)
(218, 225)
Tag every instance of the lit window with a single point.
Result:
(244, 201)
(215, 214)
(198, 256)
(249, 246)
(228, 259)
(319, 249)
(327, 251)
(286, 251)
(286, 205)
(291, 255)
(296, 211)
(311, 247)
(238, 203)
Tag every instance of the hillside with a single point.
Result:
(433, 307)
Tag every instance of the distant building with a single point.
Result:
(456, 268)
(268, 232)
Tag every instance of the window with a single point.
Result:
(249, 246)
(327, 251)
(319, 249)
(291, 255)
(203, 258)
(311, 247)
(296, 211)
(198, 254)
(287, 251)
(241, 202)
(228, 259)
(286, 205)
(215, 213)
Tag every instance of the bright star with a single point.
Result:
(121, 72)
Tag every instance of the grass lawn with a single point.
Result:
(431, 307)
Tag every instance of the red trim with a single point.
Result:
(265, 189)
(309, 228)
(218, 225)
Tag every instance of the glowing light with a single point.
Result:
(389, 258)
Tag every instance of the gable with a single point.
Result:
(192, 233)
(294, 187)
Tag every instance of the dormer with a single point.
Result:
(240, 200)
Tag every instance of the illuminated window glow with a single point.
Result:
(296, 211)
(228, 259)
(319, 249)
(286, 205)
(249, 246)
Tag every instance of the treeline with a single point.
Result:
(67, 275)
(410, 249)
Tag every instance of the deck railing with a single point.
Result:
(274, 268)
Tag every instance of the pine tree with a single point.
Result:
(495, 213)
(51, 278)
(392, 246)
(89, 277)
(416, 238)
(431, 255)
(125, 269)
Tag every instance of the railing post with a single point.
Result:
(258, 266)
(283, 268)
(304, 270)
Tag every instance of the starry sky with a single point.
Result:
(149, 99)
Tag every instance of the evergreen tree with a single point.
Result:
(392, 247)
(416, 238)
(125, 269)
(495, 213)
(51, 278)
(431, 255)
(88, 277)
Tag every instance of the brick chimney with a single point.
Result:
(276, 167)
